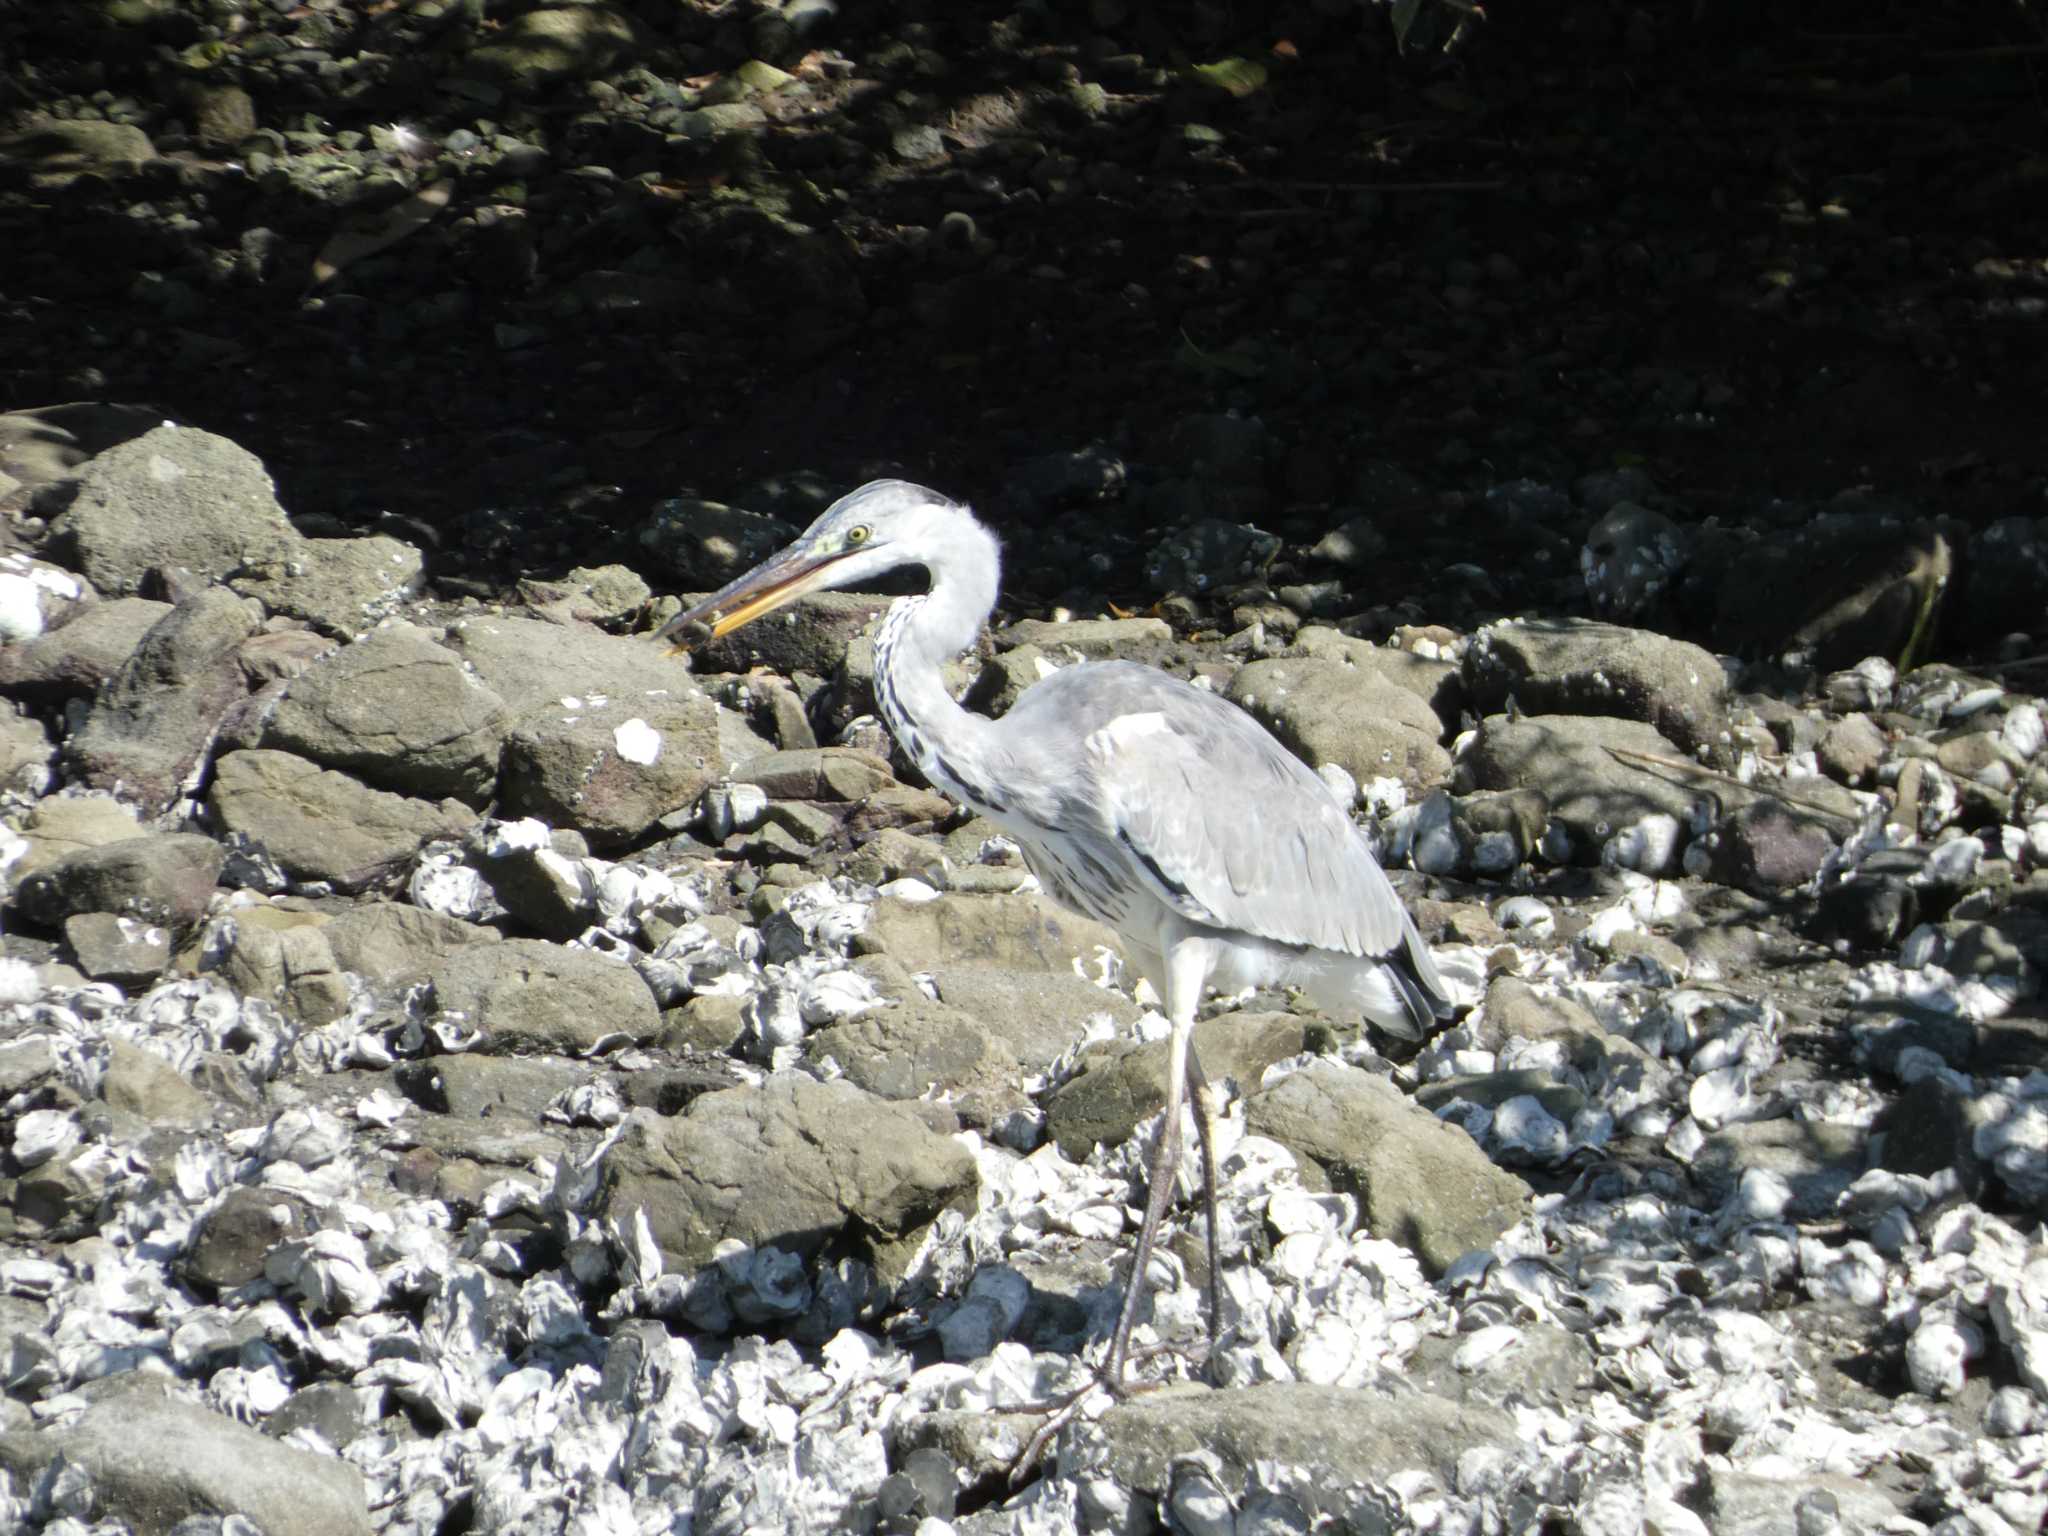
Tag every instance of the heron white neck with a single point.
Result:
(950, 745)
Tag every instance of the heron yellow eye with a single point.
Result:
(858, 535)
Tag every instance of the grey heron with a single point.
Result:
(1139, 800)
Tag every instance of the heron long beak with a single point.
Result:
(788, 576)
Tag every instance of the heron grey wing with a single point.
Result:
(1235, 831)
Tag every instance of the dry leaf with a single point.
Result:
(365, 237)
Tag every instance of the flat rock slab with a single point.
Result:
(1349, 1436)
(53, 153)
(153, 724)
(388, 942)
(817, 773)
(1584, 667)
(1017, 932)
(173, 497)
(1040, 1014)
(66, 824)
(400, 710)
(1438, 683)
(323, 825)
(797, 1164)
(1331, 712)
(118, 949)
(907, 1048)
(474, 1087)
(154, 1461)
(49, 442)
(533, 664)
(1573, 761)
(1419, 1182)
(529, 996)
(613, 767)
(1117, 1085)
(342, 586)
(142, 1083)
(1601, 774)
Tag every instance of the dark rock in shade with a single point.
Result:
(230, 1242)
(813, 639)
(166, 879)
(1816, 1160)
(1571, 760)
(707, 543)
(151, 727)
(1768, 846)
(1865, 912)
(75, 660)
(154, 1460)
(331, 1409)
(1931, 1129)
(50, 154)
(321, 825)
(173, 497)
(1583, 667)
(400, 710)
(528, 995)
(1847, 583)
(797, 1164)
(1881, 604)
(2005, 574)
(1420, 1182)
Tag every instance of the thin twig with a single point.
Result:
(2017, 664)
(1656, 760)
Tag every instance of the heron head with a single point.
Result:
(864, 534)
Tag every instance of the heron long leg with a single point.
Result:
(1198, 1101)
(1188, 962)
